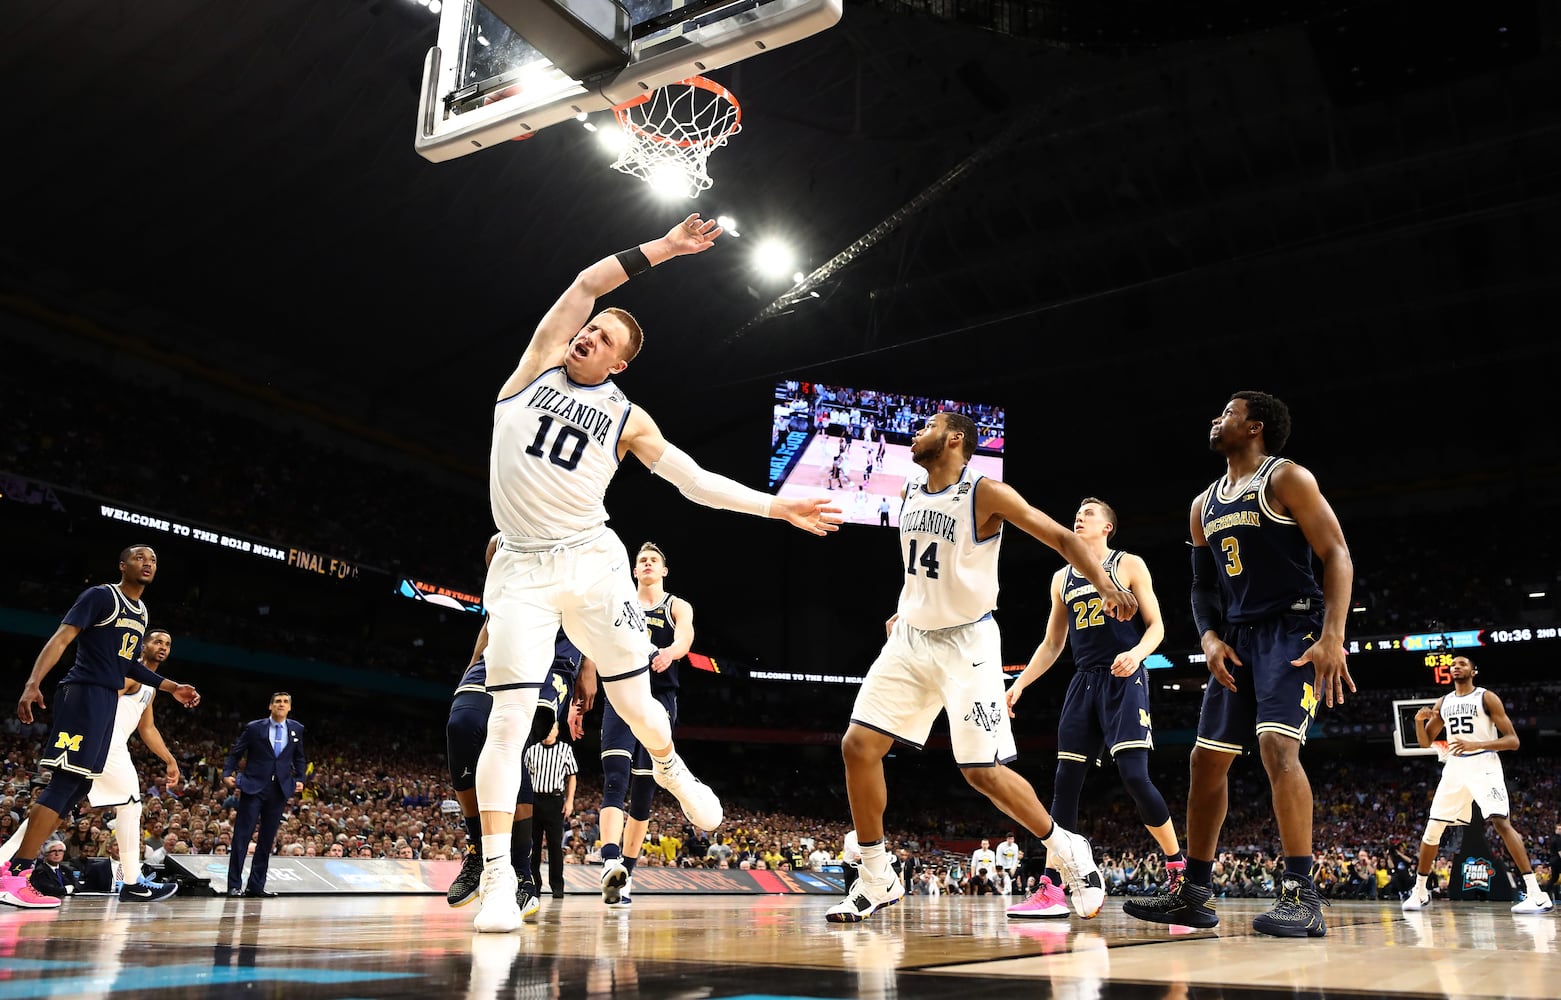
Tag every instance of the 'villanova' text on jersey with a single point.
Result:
(555, 450)
(1467, 720)
(950, 574)
(1264, 559)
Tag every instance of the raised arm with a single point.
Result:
(573, 308)
(997, 500)
(1050, 648)
(1296, 491)
(643, 439)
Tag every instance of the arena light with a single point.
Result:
(670, 180)
(1537, 594)
(611, 139)
(774, 259)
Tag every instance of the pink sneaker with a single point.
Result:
(1048, 902)
(17, 891)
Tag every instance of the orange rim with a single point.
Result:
(620, 111)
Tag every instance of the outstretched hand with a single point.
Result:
(814, 515)
(692, 235)
(186, 695)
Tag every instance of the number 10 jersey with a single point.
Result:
(950, 574)
(555, 450)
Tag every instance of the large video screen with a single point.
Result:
(854, 445)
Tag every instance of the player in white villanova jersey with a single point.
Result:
(944, 652)
(1477, 728)
(560, 428)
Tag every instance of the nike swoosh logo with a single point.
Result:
(140, 892)
(977, 664)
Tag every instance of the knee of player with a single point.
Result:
(982, 779)
(1281, 754)
(859, 744)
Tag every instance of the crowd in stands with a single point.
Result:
(385, 794)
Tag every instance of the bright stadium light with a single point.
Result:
(774, 259)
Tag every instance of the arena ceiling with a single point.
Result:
(1073, 202)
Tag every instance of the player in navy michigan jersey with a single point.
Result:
(1108, 698)
(626, 766)
(107, 623)
(944, 653)
(1274, 642)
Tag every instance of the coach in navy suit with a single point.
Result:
(274, 769)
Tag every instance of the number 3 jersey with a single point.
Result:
(1264, 559)
(555, 450)
(950, 574)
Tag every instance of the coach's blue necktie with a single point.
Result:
(279, 739)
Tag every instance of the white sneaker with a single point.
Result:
(1416, 901)
(1076, 862)
(615, 875)
(1534, 903)
(699, 803)
(866, 897)
(624, 900)
(500, 910)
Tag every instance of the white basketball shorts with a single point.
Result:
(1470, 779)
(920, 673)
(587, 586)
(119, 783)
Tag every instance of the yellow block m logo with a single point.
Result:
(68, 742)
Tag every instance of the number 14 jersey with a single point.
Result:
(555, 450)
(950, 574)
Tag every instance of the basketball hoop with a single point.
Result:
(670, 133)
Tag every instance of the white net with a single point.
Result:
(670, 133)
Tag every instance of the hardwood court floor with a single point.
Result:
(769, 946)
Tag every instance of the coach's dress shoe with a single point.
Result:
(259, 894)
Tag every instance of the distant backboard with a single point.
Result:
(1405, 744)
(484, 83)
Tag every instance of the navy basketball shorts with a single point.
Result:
(554, 696)
(464, 734)
(83, 731)
(1271, 696)
(618, 739)
(1102, 709)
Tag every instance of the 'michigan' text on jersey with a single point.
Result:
(1094, 637)
(1265, 561)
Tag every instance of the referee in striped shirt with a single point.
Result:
(553, 769)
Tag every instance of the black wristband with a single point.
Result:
(634, 261)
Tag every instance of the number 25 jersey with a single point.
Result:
(950, 574)
(555, 450)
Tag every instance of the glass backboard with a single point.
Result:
(484, 83)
